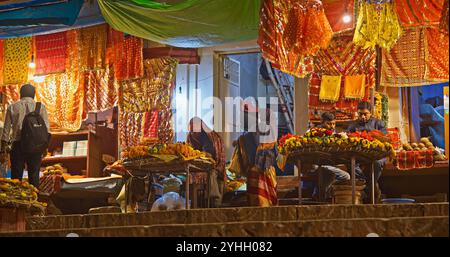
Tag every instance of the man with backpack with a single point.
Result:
(26, 126)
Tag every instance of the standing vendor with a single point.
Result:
(366, 122)
(202, 138)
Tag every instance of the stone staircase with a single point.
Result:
(314, 220)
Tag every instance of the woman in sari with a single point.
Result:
(256, 160)
(202, 138)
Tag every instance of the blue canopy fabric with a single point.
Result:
(89, 15)
(60, 13)
(9, 5)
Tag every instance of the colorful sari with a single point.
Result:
(256, 162)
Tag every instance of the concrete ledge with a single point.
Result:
(390, 227)
(249, 214)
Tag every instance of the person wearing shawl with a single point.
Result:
(202, 138)
(255, 158)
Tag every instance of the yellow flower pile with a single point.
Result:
(16, 191)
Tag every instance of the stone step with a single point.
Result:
(384, 227)
(243, 214)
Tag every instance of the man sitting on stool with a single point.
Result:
(366, 122)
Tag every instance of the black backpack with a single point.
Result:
(34, 137)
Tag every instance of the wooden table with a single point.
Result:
(333, 158)
(176, 167)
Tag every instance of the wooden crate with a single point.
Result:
(12, 219)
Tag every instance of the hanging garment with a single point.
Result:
(92, 47)
(415, 13)
(100, 90)
(354, 86)
(51, 52)
(127, 56)
(377, 24)
(290, 31)
(17, 56)
(443, 24)
(438, 55)
(330, 88)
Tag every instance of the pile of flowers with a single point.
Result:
(182, 150)
(326, 140)
(19, 192)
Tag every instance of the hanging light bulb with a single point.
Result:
(346, 18)
(32, 64)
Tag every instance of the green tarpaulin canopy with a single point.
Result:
(189, 23)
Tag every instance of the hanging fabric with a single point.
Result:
(419, 58)
(92, 47)
(63, 96)
(377, 24)
(437, 44)
(150, 127)
(443, 24)
(50, 53)
(17, 56)
(100, 90)
(354, 86)
(330, 88)
(414, 13)
(290, 31)
(127, 56)
(153, 91)
(188, 23)
(1, 61)
(335, 10)
(341, 58)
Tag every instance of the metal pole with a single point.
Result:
(208, 194)
(187, 187)
(373, 182)
(353, 164)
(299, 167)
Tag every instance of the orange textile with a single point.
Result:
(150, 126)
(420, 57)
(50, 53)
(354, 86)
(1, 62)
(290, 31)
(127, 56)
(443, 24)
(92, 46)
(437, 62)
(100, 90)
(413, 13)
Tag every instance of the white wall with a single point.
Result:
(184, 103)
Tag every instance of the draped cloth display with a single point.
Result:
(188, 23)
(153, 91)
(420, 57)
(341, 58)
(335, 9)
(16, 57)
(354, 86)
(1, 61)
(414, 13)
(330, 87)
(51, 53)
(92, 47)
(443, 24)
(143, 96)
(63, 97)
(100, 90)
(127, 56)
(290, 31)
(377, 24)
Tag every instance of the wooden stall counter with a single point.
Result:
(423, 183)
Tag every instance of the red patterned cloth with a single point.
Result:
(413, 13)
(437, 61)
(150, 126)
(51, 52)
(127, 56)
(100, 90)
